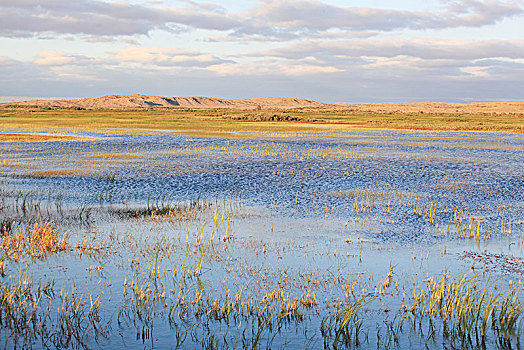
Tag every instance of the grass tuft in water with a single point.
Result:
(36, 241)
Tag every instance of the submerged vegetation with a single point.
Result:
(301, 237)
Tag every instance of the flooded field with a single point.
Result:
(314, 239)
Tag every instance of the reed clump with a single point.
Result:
(36, 241)
(20, 308)
(27, 316)
(466, 309)
(344, 328)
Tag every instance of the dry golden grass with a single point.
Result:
(35, 241)
(501, 117)
(54, 173)
(38, 138)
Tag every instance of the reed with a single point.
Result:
(36, 241)
(344, 328)
(467, 308)
(26, 315)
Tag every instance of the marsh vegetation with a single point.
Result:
(299, 238)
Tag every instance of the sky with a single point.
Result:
(331, 51)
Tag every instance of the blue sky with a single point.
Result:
(332, 51)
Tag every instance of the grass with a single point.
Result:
(467, 308)
(343, 330)
(38, 138)
(221, 275)
(219, 122)
(36, 241)
(26, 315)
(165, 209)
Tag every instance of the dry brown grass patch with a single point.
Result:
(36, 241)
(38, 138)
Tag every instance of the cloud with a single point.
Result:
(318, 51)
(261, 69)
(288, 36)
(358, 79)
(425, 48)
(96, 17)
(5, 61)
(505, 82)
(60, 58)
(296, 18)
(53, 58)
(476, 71)
(165, 57)
(136, 57)
(130, 41)
(270, 20)
(408, 61)
(327, 66)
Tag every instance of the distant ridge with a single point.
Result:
(142, 101)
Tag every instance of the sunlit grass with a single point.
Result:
(219, 122)
(26, 315)
(467, 308)
(36, 241)
(38, 138)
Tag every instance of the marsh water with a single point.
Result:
(262, 240)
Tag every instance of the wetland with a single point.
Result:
(258, 235)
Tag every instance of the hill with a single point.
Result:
(142, 101)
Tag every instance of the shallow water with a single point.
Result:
(307, 212)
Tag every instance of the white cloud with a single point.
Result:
(426, 48)
(53, 58)
(481, 72)
(260, 69)
(165, 56)
(305, 69)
